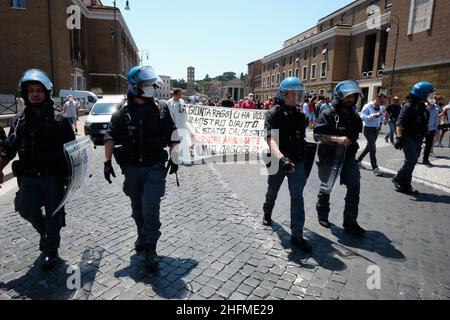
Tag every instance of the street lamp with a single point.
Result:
(145, 53)
(116, 48)
(397, 23)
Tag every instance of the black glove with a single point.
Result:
(286, 164)
(109, 171)
(399, 143)
(172, 168)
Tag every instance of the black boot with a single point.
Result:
(325, 223)
(267, 220)
(151, 259)
(42, 243)
(302, 244)
(139, 246)
(50, 261)
(409, 190)
(355, 229)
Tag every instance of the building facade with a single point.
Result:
(422, 53)
(358, 42)
(347, 44)
(38, 36)
(234, 88)
(253, 82)
(165, 92)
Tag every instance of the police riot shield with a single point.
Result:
(80, 160)
(310, 155)
(331, 160)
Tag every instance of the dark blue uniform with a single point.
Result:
(414, 118)
(38, 139)
(337, 122)
(291, 126)
(143, 131)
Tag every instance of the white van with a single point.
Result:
(98, 120)
(86, 98)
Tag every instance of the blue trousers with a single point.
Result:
(145, 186)
(371, 135)
(350, 177)
(297, 183)
(412, 149)
(35, 193)
(390, 134)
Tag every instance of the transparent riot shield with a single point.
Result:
(310, 155)
(80, 160)
(331, 160)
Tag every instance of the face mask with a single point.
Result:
(432, 98)
(149, 92)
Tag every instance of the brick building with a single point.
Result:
(38, 37)
(354, 43)
(190, 80)
(253, 82)
(422, 47)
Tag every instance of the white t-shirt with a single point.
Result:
(70, 109)
(306, 108)
(177, 113)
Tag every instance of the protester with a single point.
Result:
(392, 113)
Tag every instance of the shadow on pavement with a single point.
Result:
(432, 198)
(167, 282)
(37, 285)
(323, 251)
(373, 241)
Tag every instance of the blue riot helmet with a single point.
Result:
(423, 90)
(143, 82)
(290, 84)
(345, 89)
(35, 76)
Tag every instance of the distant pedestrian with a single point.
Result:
(373, 117)
(228, 103)
(71, 111)
(392, 113)
(444, 127)
(250, 103)
(433, 125)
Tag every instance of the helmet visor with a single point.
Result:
(348, 88)
(149, 77)
(293, 97)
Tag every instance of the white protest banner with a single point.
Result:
(208, 132)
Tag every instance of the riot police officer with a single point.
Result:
(337, 129)
(143, 128)
(38, 135)
(412, 127)
(2, 148)
(286, 127)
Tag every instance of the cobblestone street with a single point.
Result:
(214, 246)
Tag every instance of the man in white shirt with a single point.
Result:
(176, 109)
(373, 116)
(71, 111)
(444, 127)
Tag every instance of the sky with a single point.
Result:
(217, 36)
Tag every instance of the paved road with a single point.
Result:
(214, 247)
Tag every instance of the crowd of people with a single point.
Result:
(375, 116)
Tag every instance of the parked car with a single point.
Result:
(86, 98)
(99, 118)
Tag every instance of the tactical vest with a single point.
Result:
(292, 124)
(142, 135)
(40, 143)
(344, 124)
